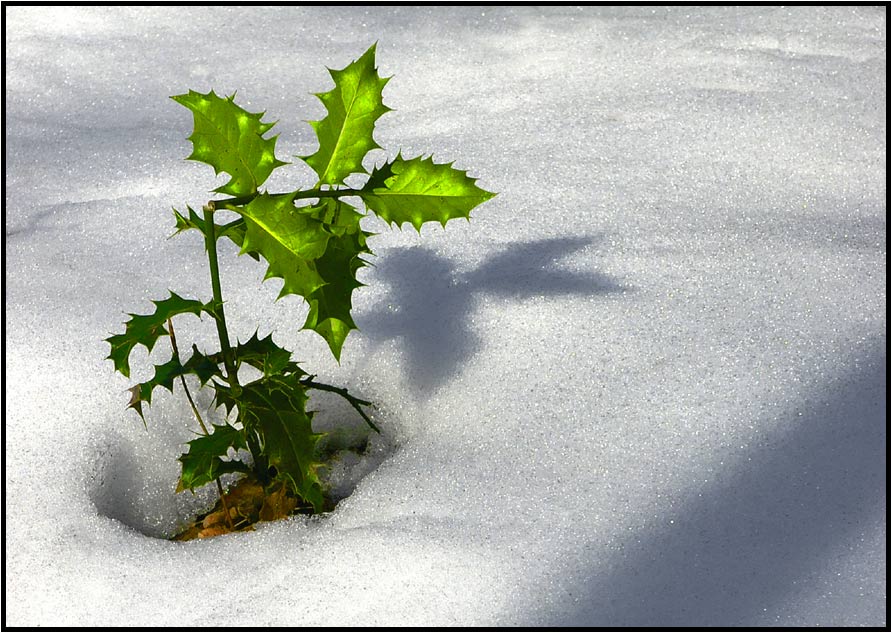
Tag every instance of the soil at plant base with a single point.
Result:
(248, 503)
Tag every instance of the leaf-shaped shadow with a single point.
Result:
(523, 271)
(430, 304)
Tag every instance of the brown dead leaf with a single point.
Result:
(214, 530)
(277, 505)
(246, 497)
(214, 518)
(248, 503)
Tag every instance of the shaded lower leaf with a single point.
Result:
(263, 354)
(166, 373)
(203, 463)
(276, 410)
(225, 396)
(331, 303)
(163, 377)
(205, 367)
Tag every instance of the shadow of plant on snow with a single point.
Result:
(431, 302)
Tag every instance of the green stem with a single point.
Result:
(176, 355)
(210, 241)
(309, 193)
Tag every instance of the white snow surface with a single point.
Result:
(644, 386)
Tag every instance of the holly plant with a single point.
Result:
(313, 241)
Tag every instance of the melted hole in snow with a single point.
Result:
(134, 478)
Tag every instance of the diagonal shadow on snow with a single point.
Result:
(432, 303)
(736, 553)
(49, 218)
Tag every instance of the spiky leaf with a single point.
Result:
(203, 463)
(289, 241)
(225, 395)
(205, 367)
(164, 375)
(345, 134)
(230, 139)
(418, 190)
(263, 354)
(330, 304)
(337, 216)
(186, 223)
(276, 409)
(315, 250)
(144, 329)
(277, 217)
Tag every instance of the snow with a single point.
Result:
(644, 386)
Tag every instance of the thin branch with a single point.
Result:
(356, 403)
(176, 355)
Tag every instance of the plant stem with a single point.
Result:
(210, 241)
(309, 193)
(176, 355)
(354, 402)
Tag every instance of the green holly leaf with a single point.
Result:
(205, 367)
(315, 250)
(263, 354)
(203, 463)
(331, 303)
(186, 223)
(275, 216)
(225, 395)
(345, 134)
(419, 190)
(163, 377)
(276, 410)
(289, 242)
(198, 364)
(230, 139)
(144, 329)
(337, 216)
